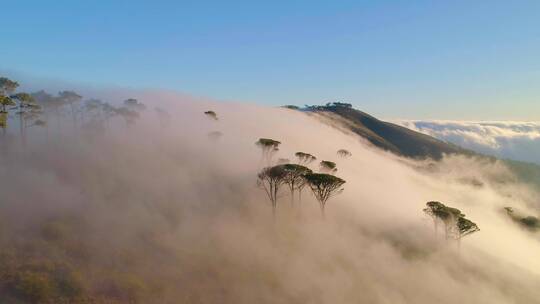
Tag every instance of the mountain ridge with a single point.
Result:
(406, 142)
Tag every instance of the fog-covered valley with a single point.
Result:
(164, 209)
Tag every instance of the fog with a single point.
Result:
(156, 212)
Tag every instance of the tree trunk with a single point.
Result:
(73, 116)
(21, 130)
(292, 197)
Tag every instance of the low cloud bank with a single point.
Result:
(158, 212)
(504, 139)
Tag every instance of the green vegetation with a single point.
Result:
(455, 223)
(305, 158)
(529, 222)
(344, 153)
(269, 148)
(328, 166)
(211, 115)
(271, 179)
(295, 178)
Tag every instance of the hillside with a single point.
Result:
(386, 135)
(406, 142)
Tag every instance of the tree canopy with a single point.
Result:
(324, 186)
(295, 177)
(456, 225)
(328, 166)
(270, 179)
(344, 153)
(305, 158)
(211, 114)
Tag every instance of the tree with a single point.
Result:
(291, 107)
(304, 158)
(93, 107)
(269, 148)
(28, 111)
(338, 105)
(324, 186)
(456, 224)
(527, 221)
(48, 103)
(442, 213)
(328, 167)
(109, 111)
(7, 87)
(344, 153)
(5, 102)
(70, 98)
(134, 105)
(464, 227)
(294, 178)
(271, 179)
(211, 115)
(130, 116)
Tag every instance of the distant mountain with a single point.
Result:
(385, 135)
(406, 142)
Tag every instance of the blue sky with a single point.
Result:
(395, 59)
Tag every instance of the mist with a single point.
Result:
(158, 212)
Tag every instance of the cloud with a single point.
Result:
(505, 139)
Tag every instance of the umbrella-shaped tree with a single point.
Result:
(270, 179)
(324, 186)
(304, 158)
(455, 223)
(464, 227)
(294, 178)
(211, 115)
(344, 153)
(439, 212)
(269, 148)
(328, 166)
(134, 105)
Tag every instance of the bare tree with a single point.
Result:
(324, 186)
(271, 179)
(269, 148)
(304, 158)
